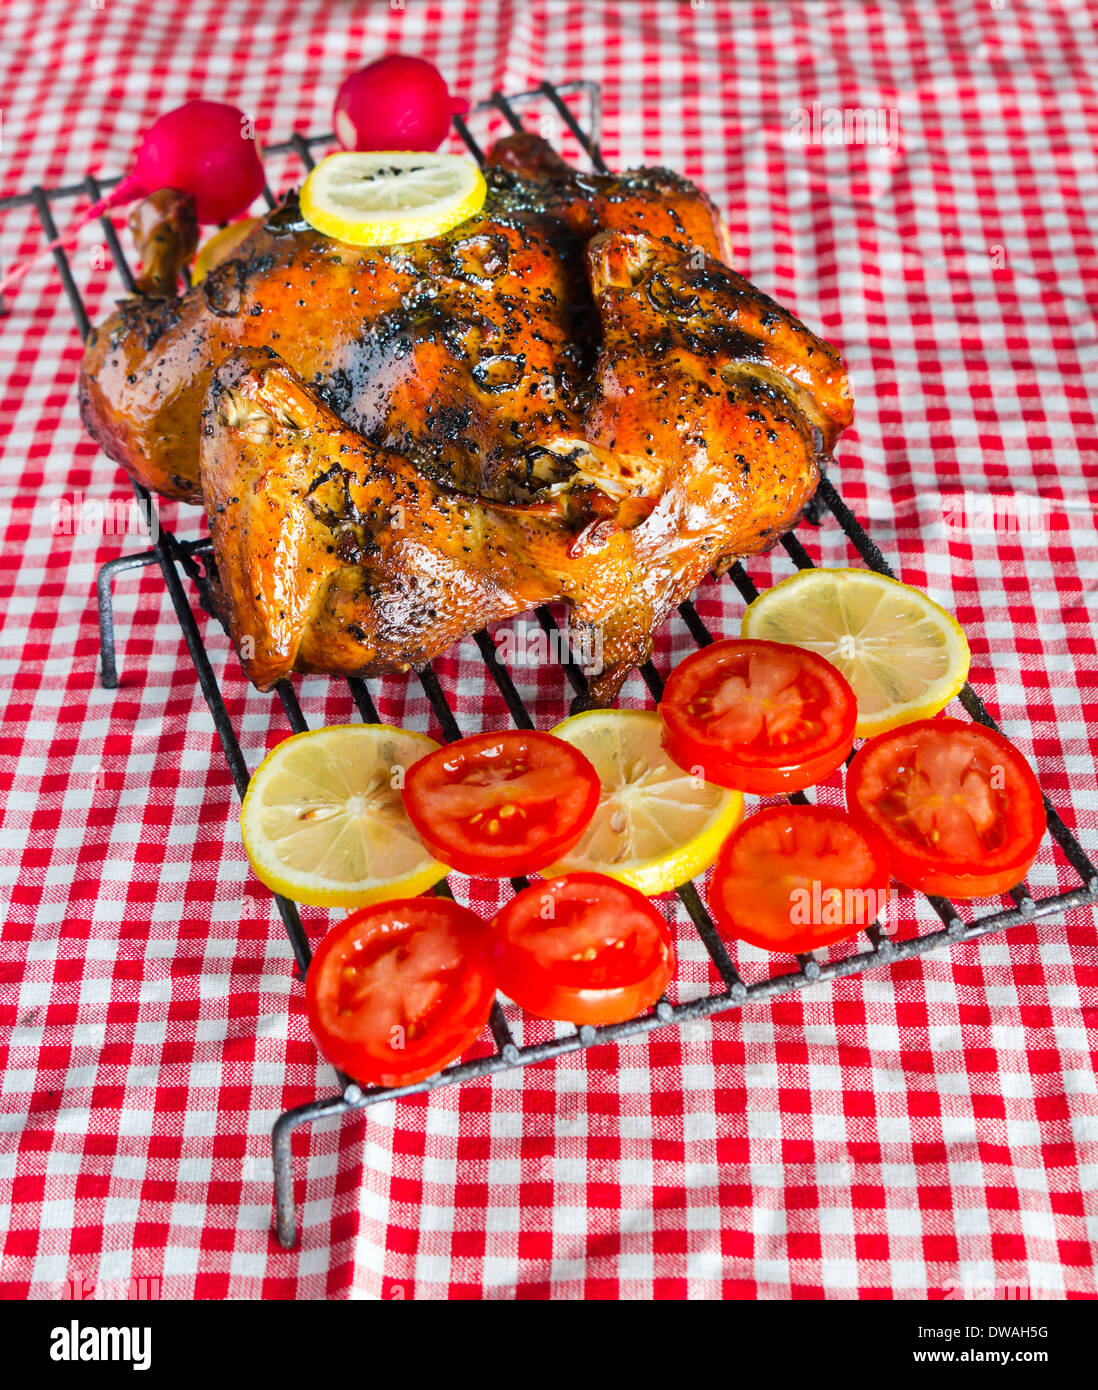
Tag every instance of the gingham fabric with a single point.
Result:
(920, 184)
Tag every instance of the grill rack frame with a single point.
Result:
(182, 559)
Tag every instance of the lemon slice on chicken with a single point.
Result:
(905, 657)
(381, 198)
(323, 820)
(655, 827)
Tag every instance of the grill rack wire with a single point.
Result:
(178, 559)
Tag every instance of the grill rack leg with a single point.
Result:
(283, 1161)
(104, 580)
(282, 1133)
(108, 669)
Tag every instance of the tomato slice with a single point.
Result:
(582, 948)
(797, 878)
(959, 806)
(760, 716)
(399, 989)
(501, 804)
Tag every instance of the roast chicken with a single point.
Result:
(570, 397)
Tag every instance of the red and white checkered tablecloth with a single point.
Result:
(926, 1130)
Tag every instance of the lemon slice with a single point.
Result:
(324, 823)
(382, 198)
(905, 657)
(655, 826)
(221, 246)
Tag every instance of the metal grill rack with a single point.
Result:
(184, 560)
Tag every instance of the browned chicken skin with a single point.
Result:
(568, 398)
(467, 353)
(707, 407)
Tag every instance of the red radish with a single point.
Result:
(395, 103)
(205, 148)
